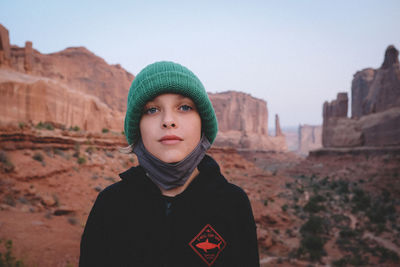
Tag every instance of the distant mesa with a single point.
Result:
(74, 87)
(243, 122)
(375, 109)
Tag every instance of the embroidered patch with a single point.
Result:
(208, 244)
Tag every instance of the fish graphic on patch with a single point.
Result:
(208, 244)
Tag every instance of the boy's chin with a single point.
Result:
(172, 158)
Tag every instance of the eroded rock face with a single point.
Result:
(375, 119)
(74, 87)
(243, 122)
(375, 91)
(310, 138)
(44, 100)
(4, 46)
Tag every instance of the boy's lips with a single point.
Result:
(170, 139)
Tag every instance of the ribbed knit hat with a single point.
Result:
(167, 77)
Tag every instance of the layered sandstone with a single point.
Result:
(310, 138)
(375, 118)
(73, 87)
(29, 98)
(243, 122)
(77, 68)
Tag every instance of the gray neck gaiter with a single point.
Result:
(170, 175)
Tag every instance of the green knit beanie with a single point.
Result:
(167, 77)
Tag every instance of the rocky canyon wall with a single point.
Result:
(375, 118)
(75, 87)
(243, 122)
(310, 138)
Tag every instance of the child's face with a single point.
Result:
(170, 127)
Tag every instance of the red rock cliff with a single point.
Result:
(243, 122)
(375, 119)
(73, 87)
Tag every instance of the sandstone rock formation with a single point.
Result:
(377, 90)
(243, 122)
(45, 100)
(4, 46)
(310, 138)
(375, 118)
(73, 87)
(278, 131)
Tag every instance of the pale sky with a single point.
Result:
(293, 54)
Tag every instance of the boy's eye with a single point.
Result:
(185, 108)
(151, 110)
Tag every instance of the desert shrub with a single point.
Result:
(38, 156)
(387, 255)
(81, 160)
(77, 149)
(284, 207)
(59, 152)
(342, 187)
(313, 206)
(6, 163)
(314, 225)
(266, 202)
(6, 258)
(312, 246)
(355, 260)
(9, 199)
(348, 233)
(361, 200)
(49, 152)
(300, 190)
(45, 125)
(21, 125)
(109, 154)
(90, 150)
(105, 130)
(74, 128)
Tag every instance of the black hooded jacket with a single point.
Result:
(208, 224)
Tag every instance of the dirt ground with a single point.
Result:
(50, 179)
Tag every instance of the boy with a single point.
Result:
(175, 208)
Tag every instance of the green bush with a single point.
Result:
(313, 206)
(45, 125)
(342, 187)
(21, 125)
(6, 258)
(314, 246)
(90, 150)
(105, 130)
(75, 128)
(314, 225)
(81, 160)
(7, 165)
(38, 156)
(361, 200)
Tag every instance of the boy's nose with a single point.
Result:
(169, 124)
